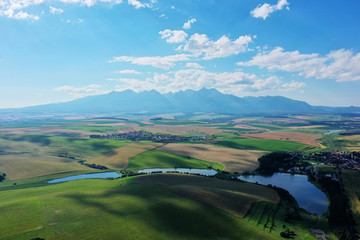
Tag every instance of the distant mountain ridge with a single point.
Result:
(189, 101)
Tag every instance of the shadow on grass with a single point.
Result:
(39, 139)
(163, 211)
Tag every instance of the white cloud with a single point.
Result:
(10, 13)
(55, 10)
(137, 4)
(193, 65)
(173, 36)
(292, 86)
(263, 11)
(17, 9)
(341, 65)
(128, 71)
(199, 44)
(77, 92)
(158, 62)
(227, 82)
(122, 79)
(187, 25)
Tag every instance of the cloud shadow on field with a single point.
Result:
(162, 211)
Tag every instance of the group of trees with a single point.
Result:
(271, 163)
(2, 177)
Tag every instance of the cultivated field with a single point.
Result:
(235, 198)
(181, 129)
(351, 143)
(19, 166)
(159, 159)
(233, 160)
(287, 136)
(119, 158)
(262, 144)
(28, 156)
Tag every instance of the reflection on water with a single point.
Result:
(86, 176)
(204, 172)
(333, 131)
(306, 194)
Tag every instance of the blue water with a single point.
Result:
(86, 176)
(306, 194)
(333, 131)
(204, 172)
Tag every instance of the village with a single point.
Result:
(347, 160)
(137, 136)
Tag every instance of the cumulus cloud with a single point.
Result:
(263, 11)
(173, 36)
(200, 44)
(137, 4)
(93, 89)
(193, 65)
(292, 86)
(10, 13)
(55, 10)
(226, 82)
(341, 65)
(158, 62)
(187, 25)
(128, 71)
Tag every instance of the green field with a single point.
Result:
(53, 145)
(351, 181)
(114, 209)
(159, 159)
(263, 144)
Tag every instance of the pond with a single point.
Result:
(333, 131)
(204, 172)
(306, 194)
(87, 176)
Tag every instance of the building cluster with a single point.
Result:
(148, 136)
(348, 160)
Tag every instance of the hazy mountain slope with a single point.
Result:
(189, 101)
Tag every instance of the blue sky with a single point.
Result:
(55, 51)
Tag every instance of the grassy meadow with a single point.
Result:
(263, 144)
(159, 159)
(113, 209)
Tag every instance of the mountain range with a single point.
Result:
(188, 102)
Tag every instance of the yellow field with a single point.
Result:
(350, 138)
(119, 158)
(233, 160)
(352, 142)
(287, 136)
(232, 197)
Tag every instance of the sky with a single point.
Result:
(60, 50)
